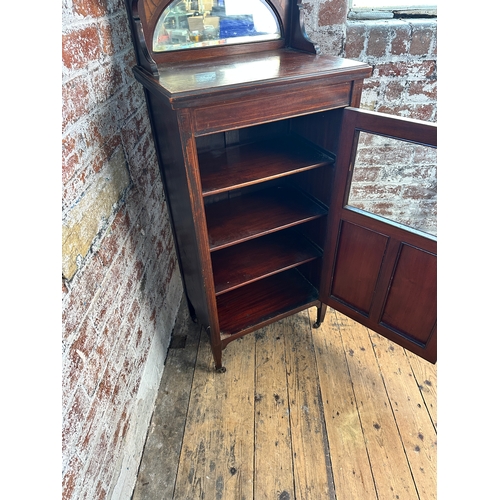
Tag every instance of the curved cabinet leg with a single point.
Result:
(192, 312)
(216, 352)
(321, 315)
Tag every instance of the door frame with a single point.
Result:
(398, 236)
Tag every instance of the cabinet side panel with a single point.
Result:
(321, 129)
(175, 183)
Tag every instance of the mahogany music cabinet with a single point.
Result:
(255, 136)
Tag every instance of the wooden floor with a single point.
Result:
(301, 413)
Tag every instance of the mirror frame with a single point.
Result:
(144, 15)
(191, 20)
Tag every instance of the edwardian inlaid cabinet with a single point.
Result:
(256, 137)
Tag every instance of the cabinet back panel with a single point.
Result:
(322, 129)
(244, 135)
(318, 183)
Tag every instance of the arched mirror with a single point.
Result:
(188, 24)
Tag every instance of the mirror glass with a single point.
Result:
(188, 24)
(396, 180)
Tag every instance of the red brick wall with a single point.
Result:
(404, 83)
(396, 180)
(121, 286)
(403, 54)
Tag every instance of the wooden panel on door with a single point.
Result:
(357, 265)
(410, 308)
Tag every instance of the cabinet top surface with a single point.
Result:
(248, 70)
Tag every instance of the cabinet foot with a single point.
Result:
(192, 312)
(321, 315)
(216, 352)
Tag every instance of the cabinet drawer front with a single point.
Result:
(272, 107)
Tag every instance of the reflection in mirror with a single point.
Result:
(187, 24)
(396, 180)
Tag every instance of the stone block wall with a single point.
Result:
(121, 286)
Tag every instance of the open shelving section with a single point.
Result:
(263, 301)
(259, 213)
(255, 259)
(243, 165)
(241, 218)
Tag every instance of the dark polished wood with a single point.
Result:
(239, 265)
(359, 256)
(410, 307)
(241, 218)
(178, 186)
(243, 165)
(253, 144)
(285, 66)
(407, 129)
(245, 309)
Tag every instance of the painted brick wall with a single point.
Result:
(121, 286)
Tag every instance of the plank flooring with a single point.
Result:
(337, 412)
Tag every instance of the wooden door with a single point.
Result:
(381, 255)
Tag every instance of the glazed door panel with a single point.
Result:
(381, 259)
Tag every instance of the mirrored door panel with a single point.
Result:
(395, 180)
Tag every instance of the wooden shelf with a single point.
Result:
(242, 264)
(243, 165)
(241, 218)
(254, 305)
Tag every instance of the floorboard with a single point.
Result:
(391, 473)
(273, 473)
(336, 412)
(351, 465)
(160, 460)
(417, 431)
(311, 455)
